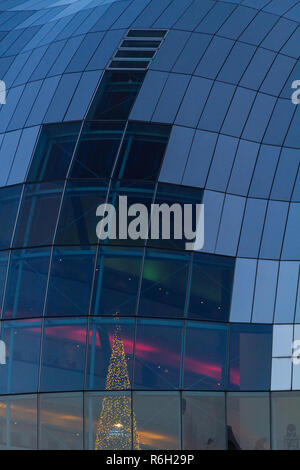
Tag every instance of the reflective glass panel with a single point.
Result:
(9, 202)
(63, 354)
(3, 269)
(26, 283)
(18, 422)
(285, 420)
(54, 151)
(19, 373)
(211, 287)
(205, 356)
(250, 353)
(116, 94)
(158, 354)
(70, 281)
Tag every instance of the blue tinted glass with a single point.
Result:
(38, 214)
(164, 284)
(116, 95)
(70, 281)
(157, 361)
(63, 353)
(110, 349)
(211, 287)
(250, 354)
(78, 221)
(3, 269)
(9, 202)
(205, 356)
(116, 281)
(26, 283)
(54, 152)
(97, 150)
(142, 151)
(20, 372)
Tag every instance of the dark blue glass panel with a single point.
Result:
(22, 342)
(54, 152)
(63, 352)
(142, 151)
(70, 281)
(3, 269)
(164, 284)
(205, 356)
(158, 354)
(38, 214)
(116, 281)
(250, 355)
(78, 221)
(211, 287)
(9, 202)
(26, 283)
(97, 150)
(110, 349)
(116, 94)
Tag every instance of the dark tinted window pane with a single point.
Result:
(211, 288)
(139, 33)
(158, 354)
(54, 152)
(97, 150)
(70, 281)
(9, 202)
(149, 44)
(164, 284)
(78, 221)
(248, 420)
(3, 270)
(18, 422)
(116, 281)
(135, 54)
(121, 64)
(203, 425)
(63, 354)
(108, 419)
(38, 214)
(142, 151)
(172, 196)
(26, 283)
(158, 419)
(22, 341)
(285, 420)
(116, 95)
(61, 421)
(205, 356)
(110, 354)
(250, 355)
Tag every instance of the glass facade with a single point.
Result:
(139, 343)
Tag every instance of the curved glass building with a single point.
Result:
(142, 344)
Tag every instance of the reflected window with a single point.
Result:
(248, 421)
(203, 421)
(97, 150)
(116, 95)
(22, 340)
(250, 353)
(108, 421)
(54, 151)
(157, 420)
(61, 421)
(110, 348)
(164, 284)
(18, 422)
(116, 282)
(63, 354)
(205, 356)
(3, 270)
(285, 420)
(70, 281)
(78, 220)
(142, 151)
(38, 214)
(9, 203)
(26, 283)
(158, 354)
(211, 287)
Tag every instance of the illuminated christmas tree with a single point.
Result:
(116, 428)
